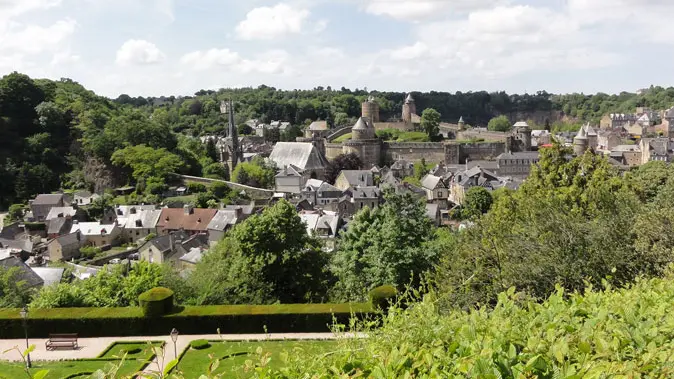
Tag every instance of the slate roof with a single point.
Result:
(83, 194)
(68, 239)
(177, 218)
(310, 219)
(521, 124)
(49, 275)
(223, 219)
(313, 184)
(362, 124)
(327, 187)
(329, 222)
(531, 155)
(409, 98)
(389, 179)
(432, 182)
(23, 244)
(193, 256)
(581, 134)
(290, 170)
(59, 225)
(93, 228)
(432, 211)
(144, 219)
(358, 177)
(56, 212)
(25, 273)
(303, 155)
(365, 193)
(48, 199)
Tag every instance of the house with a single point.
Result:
(19, 248)
(289, 180)
(415, 191)
(123, 212)
(190, 259)
(540, 137)
(140, 223)
(439, 170)
(323, 225)
(223, 221)
(656, 149)
(518, 163)
(390, 180)
(303, 155)
(50, 275)
(402, 168)
(345, 207)
(464, 180)
(363, 197)
(318, 192)
(67, 212)
(354, 178)
(98, 234)
(66, 247)
(25, 275)
(433, 212)
(436, 190)
(607, 140)
(170, 247)
(42, 204)
(317, 129)
(190, 219)
(82, 198)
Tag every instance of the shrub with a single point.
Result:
(383, 297)
(132, 351)
(156, 302)
(196, 187)
(90, 252)
(200, 344)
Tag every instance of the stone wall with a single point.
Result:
(458, 153)
(414, 151)
(332, 150)
(253, 192)
(369, 151)
(486, 135)
(402, 126)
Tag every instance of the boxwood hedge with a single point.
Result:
(230, 319)
(156, 302)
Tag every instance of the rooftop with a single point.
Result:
(48, 199)
(303, 155)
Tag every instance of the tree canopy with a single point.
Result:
(499, 124)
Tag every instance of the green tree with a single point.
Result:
(478, 201)
(211, 150)
(258, 262)
(341, 162)
(499, 124)
(219, 189)
(391, 244)
(147, 162)
(420, 169)
(257, 173)
(430, 123)
(244, 130)
(14, 292)
(216, 171)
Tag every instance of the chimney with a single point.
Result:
(133, 210)
(172, 242)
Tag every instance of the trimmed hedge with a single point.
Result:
(199, 344)
(230, 319)
(156, 302)
(383, 297)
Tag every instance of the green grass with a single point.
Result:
(233, 355)
(185, 199)
(60, 369)
(343, 138)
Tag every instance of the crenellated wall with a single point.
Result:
(414, 151)
(458, 153)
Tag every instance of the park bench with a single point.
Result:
(61, 340)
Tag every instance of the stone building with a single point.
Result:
(410, 111)
(580, 143)
(364, 143)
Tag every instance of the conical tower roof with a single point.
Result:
(361, 124)
(581, 134)
(461, 120)
(409, 98)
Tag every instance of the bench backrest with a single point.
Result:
(70, 336)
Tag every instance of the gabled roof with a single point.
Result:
(145, 219)
(327, 187)
(358, 177)
(313, 184)
(303, 155)
(48, 199)
(26, 274)
(68, 239)
(193, 256)
(56, 212)
(432, 182)
(223, 219)
(93, 228)
(49, 275)
(364, 192)
(519, 155)
(178, 218)
(58, 225)
(290, 170)
(329, 222)
(432, 210)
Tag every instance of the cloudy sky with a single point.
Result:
(176, 47)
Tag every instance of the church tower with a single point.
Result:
(227, 107)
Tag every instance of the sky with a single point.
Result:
(177, 47)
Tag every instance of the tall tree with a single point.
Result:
(499, 124)
(430, 123)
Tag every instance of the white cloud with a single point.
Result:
(134, 52)
(35, 39)
(271, 62)
(12, 8)
(272, 22)
(415, 51)
(414, 10)
(203, 60)
(64, 58)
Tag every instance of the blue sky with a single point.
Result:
(176, 47)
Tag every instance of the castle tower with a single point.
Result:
(669, 120)
(409, 108)
(370, 109)
(524, 135)
(580, 143)
(364, 143)
(462, 124)
(363, 130)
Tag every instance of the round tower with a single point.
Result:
(363, 130)
(524, 135)
(462, 124)
(364, 143)
(580, 143)
(370, 110)
(409, 108)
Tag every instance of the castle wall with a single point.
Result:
(403, 126)
(369, 151)
(486, 135)
(332, 150)
(458, 153)
(414, 151)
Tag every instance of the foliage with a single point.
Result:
(257, 262)
(430, 123)
(90, 252)
(388, 245)
(148, 163)
(219, 189)
(420, 169)
(477, 202)
(257, 173)
(196, 187)
(499, 124)
(382, 297)
(216, 171)
(156, 302)
(108, 288)
(15, 213)
(341, 162)
(200, 344)
(14, 291)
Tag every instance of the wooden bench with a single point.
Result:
(61, 340)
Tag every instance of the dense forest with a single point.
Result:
(51, 132)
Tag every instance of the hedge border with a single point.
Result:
(112, 344)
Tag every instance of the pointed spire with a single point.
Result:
(409, 98)
(581, 133)
(461, 120)
(360, 124)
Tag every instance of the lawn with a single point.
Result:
(183, 199)
(233, 355)
(60, 369)
(343, 138)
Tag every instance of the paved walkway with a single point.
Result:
(91, 347)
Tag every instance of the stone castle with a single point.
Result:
(373, 151)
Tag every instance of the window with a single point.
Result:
(440, 194)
